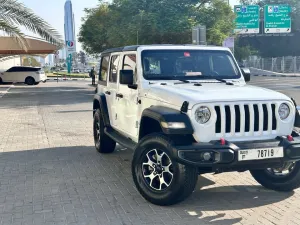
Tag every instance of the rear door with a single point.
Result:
(112, 86)
(127, 104)
(21, 73)
(107, 84)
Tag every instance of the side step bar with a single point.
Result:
(119, 138)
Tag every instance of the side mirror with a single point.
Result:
(126, 77)
(246, 74)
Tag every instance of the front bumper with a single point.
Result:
(225, 157)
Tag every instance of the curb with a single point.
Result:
(264, 75)
(64, 79)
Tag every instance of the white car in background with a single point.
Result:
(23, 74)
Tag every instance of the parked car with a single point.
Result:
(187, 110)
(76, 71)
(23, 74)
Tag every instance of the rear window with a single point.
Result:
(23, 69)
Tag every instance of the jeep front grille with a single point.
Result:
(245, 119)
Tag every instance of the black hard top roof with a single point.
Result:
(135, 47)
(122, 49)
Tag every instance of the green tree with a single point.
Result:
(130, 22)
(219, 19)
(14, 14)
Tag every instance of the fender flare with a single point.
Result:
(167, 115)
(100, 103)
(297, 116)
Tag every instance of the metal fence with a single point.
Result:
(288, 64)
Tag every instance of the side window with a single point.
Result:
(12, 69)
(113, 73)
(129, 63)
(104, 69)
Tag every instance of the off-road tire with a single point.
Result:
(29, 81)
(103, 143)
(184, 177)
(285, 183)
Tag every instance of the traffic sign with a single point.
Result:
(70, 47)
(277, 19)
(229, 42)
(247, 19)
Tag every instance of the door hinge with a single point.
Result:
(137, 124)
(116, 117)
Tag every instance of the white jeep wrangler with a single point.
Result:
(185, 111)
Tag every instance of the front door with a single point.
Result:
(8, 77)
(127, 104)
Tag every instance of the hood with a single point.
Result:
(176, 94)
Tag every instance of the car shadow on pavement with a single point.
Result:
(218, 200)
(78, 182)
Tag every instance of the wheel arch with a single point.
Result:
(153, 118)
(297, 116)
(100, 103)
(28, 77)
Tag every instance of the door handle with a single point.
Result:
(107, 92)
(119, 95)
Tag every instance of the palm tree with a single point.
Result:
(14, 14)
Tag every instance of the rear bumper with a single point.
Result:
(225, 157)
(42, 78)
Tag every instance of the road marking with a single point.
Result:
(271, 79)
(2, 93)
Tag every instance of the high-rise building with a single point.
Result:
(70, 37)
(49, 60)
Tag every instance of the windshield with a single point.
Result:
(188, 64)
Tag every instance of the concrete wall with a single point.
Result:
(7, 63)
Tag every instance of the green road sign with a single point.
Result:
(277, 19)
(247, 19)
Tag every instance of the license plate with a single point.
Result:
(259, 154)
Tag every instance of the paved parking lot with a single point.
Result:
(50, 172)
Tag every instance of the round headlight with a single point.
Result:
(284, 111)
(202, 114)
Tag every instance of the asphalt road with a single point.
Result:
(287, 85)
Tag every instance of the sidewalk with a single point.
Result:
(266, 73)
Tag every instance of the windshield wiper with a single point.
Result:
(185, 81)
(221, 80)
(225, 81)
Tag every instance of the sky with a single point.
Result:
(53, 12)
